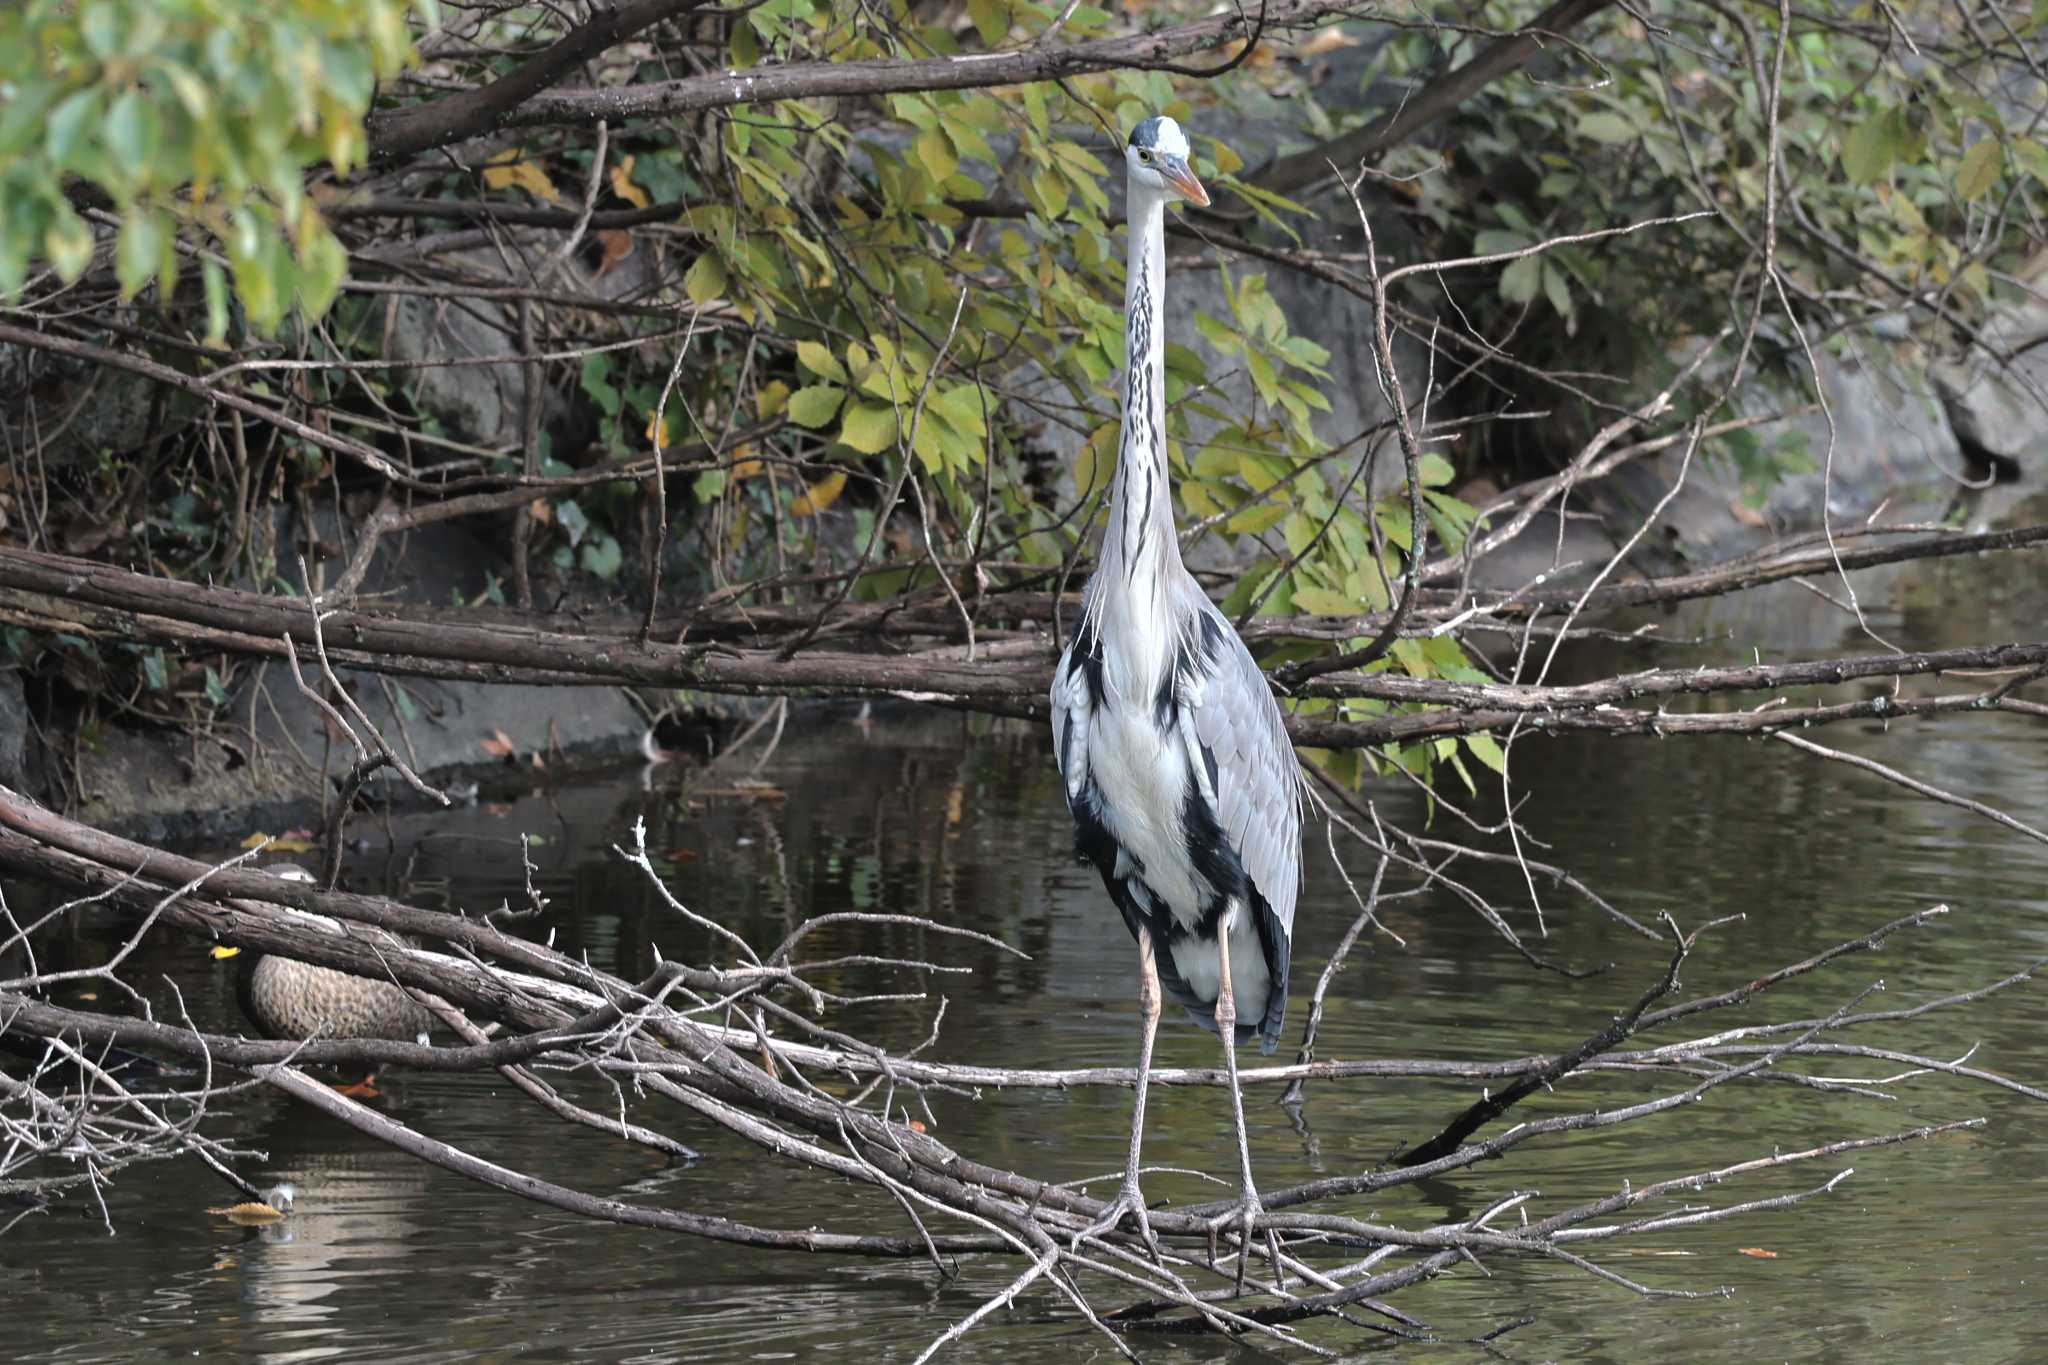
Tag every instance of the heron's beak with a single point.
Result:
(222, 952)
(1176, 173)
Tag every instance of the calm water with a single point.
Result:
(1937, 1251)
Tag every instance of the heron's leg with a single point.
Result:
(1130, 1199)
(1248, 1209)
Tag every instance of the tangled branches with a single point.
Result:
(745, 1041)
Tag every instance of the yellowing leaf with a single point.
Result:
(991, 20)
(284, 843)
(657, 431)
(1980, 167)
(935, 152)
(1095, 466)
(819, 495)
(705, 279)
(869, 427)
(623, 186)
(819, 360)
(1323, 602)
(1256, 518)
(510, 169)
(1326, 40)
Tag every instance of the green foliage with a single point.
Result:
(197, 119)
(1904, 173)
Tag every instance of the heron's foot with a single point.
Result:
(1128, 1206)
(1244, 1218)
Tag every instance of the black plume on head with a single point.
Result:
(1146, 134)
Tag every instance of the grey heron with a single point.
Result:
(1178, 771)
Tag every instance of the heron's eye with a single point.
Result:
(1144, 155)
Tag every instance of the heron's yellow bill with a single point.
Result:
(221, 952)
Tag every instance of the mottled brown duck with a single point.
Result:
(292, 1000)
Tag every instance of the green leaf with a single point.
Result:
(1435, 470)
(596, 376)
(2031, 157)
(602, 556)
(139, 251)
(323, 263)
(130, 133)
(1606, 127)
(1868, 150)
(1979, 169)
(71, 123)
(991, 20)
(1259, 517)
(816, 357)
(815, 406)
(1522, 278)
(935, 154)
(68, 244)
(869, 427)
(1323, 602)
(216, 282)
(1048, 192)
(705, 279)
(1555, 289)
(1487, 750)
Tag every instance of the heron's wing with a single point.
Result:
(1251, 763)
(1076, 683)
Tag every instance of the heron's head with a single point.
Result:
(1158, 159)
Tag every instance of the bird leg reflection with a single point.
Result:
(1248, 1210)
(1130, 1200)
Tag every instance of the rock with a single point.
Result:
(485, 404)
(1999, 411)
(170, 788)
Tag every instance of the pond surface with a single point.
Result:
(1937, 1250)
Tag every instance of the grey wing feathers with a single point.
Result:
(1257, 779)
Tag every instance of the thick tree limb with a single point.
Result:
(1434, 101)
(416, 641)
(812, 80)
(415, 128)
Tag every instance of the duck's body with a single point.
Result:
(289, 999)
(292, 1000)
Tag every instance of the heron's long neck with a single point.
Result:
(1140, 542)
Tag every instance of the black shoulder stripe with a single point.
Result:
(1085, 653)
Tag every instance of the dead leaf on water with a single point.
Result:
(1758, 1252)
(294, 842)
(1326, 40)
(254, 1213)
(499, 745)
